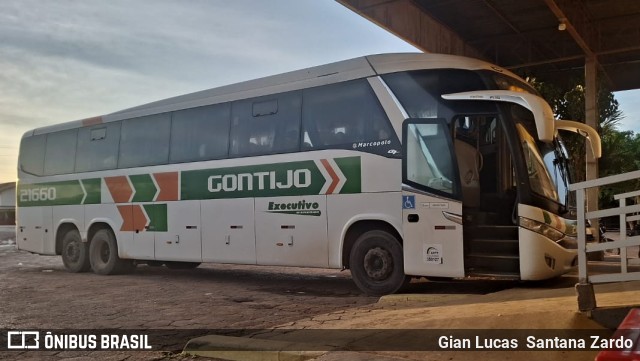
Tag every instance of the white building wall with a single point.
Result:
(7, 201)
(8, 197)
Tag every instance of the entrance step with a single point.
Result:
(484, 263)
(497, 247)
(492, 232)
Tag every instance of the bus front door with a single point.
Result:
(431, 201)
(432, 229)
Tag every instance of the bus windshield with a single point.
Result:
(538, 170)
(556, 159)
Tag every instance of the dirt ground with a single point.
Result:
(37, 293)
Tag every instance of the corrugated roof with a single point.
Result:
(524, 35)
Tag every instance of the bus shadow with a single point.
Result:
(286, 281)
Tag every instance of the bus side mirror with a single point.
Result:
(584, 130)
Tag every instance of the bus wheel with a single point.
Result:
(182, 265)
(75, 253)
(103, 254)
(376, 263)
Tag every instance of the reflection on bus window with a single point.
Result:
(539, 178)
(427, 161)
(343, 114)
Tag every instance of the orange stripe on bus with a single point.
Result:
(91, 121)
(332, 174)
(168, 183)
(133, 218)
(139, 218)
(119, 188)
(127, 218)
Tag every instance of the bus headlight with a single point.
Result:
(541, 228)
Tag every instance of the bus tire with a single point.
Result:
(75, 253)
(376, 263)
(103, 254)
(182, 265)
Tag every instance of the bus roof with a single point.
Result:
(356, 68)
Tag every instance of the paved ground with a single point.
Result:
(402, 327)
(36, 292)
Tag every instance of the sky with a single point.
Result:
(73, 59)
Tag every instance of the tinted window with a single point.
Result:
(266, 125)
(32, 154)
(505, 82)
(429, 162)
(145, 141)
(420, 92)
(200, 133)
(98, 147)
(345, 115)
(60, 153)
(539, 178)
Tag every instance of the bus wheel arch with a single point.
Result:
(63, 228)
(74, 252)
(375, 257)
(357, 229)
(103, 251)
(95, 227)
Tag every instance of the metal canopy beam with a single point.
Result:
(574, 16)
(405, 19)
(522, 35)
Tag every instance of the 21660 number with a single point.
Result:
(37, 194)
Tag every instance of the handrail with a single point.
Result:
(627, 195)
(605, 180)
(586, 296)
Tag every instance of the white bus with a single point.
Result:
(393, 166)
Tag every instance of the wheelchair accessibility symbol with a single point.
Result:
(408, 202)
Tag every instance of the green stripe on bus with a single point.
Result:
(264, 180)
(350, 167)
(144, 188)
(59, 193)
(157, 214)
(93, 189)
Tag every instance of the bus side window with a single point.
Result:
(145, 141)
(98, 147)
(60, 152)
(200, 133)
(32, 154)
(306, 141)
(339, 116)
(266, 125)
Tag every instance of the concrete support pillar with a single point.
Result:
(591, 119)
(586, 297)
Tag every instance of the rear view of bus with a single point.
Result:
(393, 166)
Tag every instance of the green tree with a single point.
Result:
(620, 149)
(620, 152)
